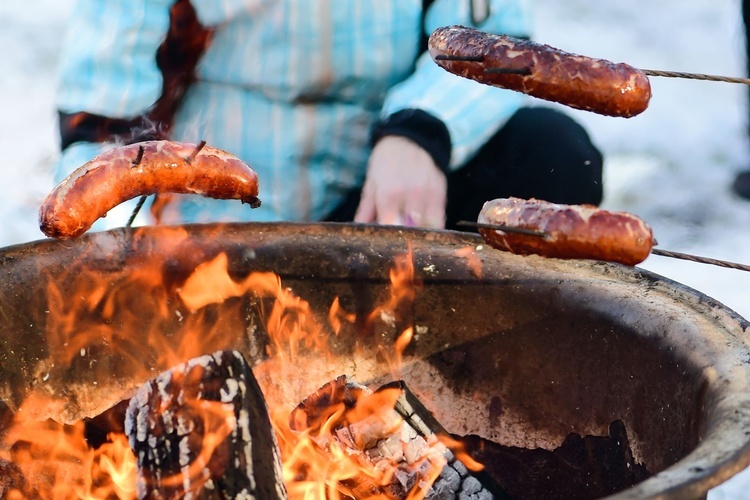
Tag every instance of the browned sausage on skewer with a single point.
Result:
(542, 71)
(152, 167)
(571, 231)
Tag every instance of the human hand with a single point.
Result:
(403, 186)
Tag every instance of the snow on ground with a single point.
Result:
(30, 34)
(672, 165)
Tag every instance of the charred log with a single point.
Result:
(98, 429)
(202, 430)
(6, 417)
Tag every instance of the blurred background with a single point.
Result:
(672, 165)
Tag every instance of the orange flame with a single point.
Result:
(59, 461)
(403, 287)
(337, 316)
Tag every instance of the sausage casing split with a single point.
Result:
(144, 168)
(597, 85)
(572, 231)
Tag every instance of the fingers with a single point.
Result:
(425, 209)
(403, 186)
(378, 205)
(366, 209)
(395, 207)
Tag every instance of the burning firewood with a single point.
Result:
(391, 438)
(202, 430)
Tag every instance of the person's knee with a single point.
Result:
(540, 153)
(559, 155)
(549, 126)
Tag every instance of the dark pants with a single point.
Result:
(741, 184)
(746, 20)
(539, 153)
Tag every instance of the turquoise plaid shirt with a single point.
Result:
(293, 87)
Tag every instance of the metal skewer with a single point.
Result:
(142, 200)
(137, 209)
(696, 76)
(448, 57)
(525, 71)
(195, 152)
(654, 251)
(505, 229)
(648, 72)
(701, 260)
(137, 161)
(508, 71)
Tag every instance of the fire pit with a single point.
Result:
(519, 350)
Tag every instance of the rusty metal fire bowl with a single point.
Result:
(519, 350)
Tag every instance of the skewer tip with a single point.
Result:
(508, 71)
(498, 227)
(449, 57)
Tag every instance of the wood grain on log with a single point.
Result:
(202, 430)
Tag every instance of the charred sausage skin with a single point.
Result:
(572, 231)
(596, 85)
(144, 168)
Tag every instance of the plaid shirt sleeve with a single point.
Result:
(310, 75)
(108, 65)
(472, 112)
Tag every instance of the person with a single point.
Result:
(741, 184)
(335, 104)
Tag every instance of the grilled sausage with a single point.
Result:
(571, 231)
(542, 71)
(151, 167)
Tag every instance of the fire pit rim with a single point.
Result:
(692, 476)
